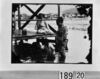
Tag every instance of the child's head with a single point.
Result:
(40, 16)
(59, 21)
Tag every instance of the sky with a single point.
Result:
(46, 9)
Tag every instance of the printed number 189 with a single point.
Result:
(67, 75)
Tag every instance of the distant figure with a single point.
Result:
(41, 25)
(61, 40)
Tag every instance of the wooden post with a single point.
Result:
(19, 20)
(58, 10)
(19, 17)
(13, 22)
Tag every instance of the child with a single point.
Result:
(61, 39)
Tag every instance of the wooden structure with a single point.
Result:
(16, 7)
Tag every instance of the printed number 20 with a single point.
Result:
(80, 75)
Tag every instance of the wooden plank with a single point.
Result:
(52, 29)
(36, 20)
(29, 9)
(23, 37)
(35, 14)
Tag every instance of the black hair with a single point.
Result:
(40, 16)
(59, 19)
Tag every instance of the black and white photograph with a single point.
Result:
(51, 33)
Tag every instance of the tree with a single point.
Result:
(85, 9)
